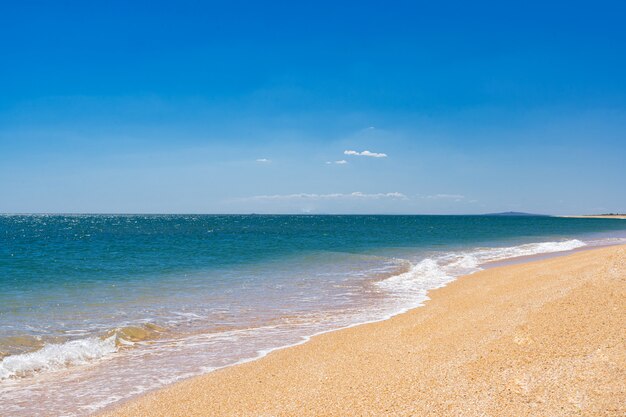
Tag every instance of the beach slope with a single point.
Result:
(542, 338)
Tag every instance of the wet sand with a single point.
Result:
(544, 338)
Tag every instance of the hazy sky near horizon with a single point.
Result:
(324, 107)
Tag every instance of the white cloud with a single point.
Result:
(263, 160)
(340, 162)
(365, 153)
(357, 195)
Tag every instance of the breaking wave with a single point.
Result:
(439, 270)
(57, 356)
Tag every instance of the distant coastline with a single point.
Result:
(575, 216)
(597, 216)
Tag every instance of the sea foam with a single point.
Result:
(439, 270)
(57, 356)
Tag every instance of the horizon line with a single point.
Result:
(273, 214)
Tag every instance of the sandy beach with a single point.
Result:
(544, 338)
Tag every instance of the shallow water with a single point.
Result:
(94, 309)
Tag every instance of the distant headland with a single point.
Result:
(515, 213)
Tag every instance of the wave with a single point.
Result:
(439, 270)
(57, 356)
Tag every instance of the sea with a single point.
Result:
(96, 309)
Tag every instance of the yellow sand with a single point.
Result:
(546, 338)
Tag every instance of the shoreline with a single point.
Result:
(172, 399)
(140, 379)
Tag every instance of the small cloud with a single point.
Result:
(263, 160)
(340, 162)
(365, 153)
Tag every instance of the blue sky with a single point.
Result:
(219, 107)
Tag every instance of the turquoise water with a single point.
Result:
(86, 299)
